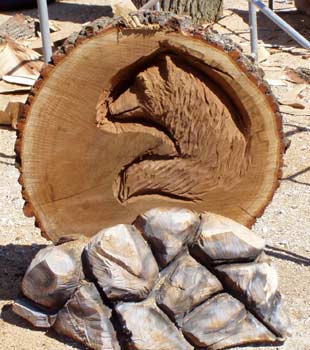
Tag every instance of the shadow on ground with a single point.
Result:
(9, 316)
(72, 12)
(284, 254)
(270, 33)
(14, 260)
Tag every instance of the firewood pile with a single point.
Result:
(171, 280)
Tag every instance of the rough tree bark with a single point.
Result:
(303, 6)
(201, 11)
(142, 112)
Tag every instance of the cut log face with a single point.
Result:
(150, 328)
(54, 274)
(186, 305)
(168, 231)
(86, 319)
(122, 262)
(182, 119)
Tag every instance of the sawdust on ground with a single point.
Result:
(285, 224)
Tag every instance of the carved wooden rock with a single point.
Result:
(258, 283)
(122, 262)
(168, 231)
(150, 328)
(86, 319)
(31, 312)
(224, 240)
(194, 302)
(186, 285)
(223, 321)
(54, 274)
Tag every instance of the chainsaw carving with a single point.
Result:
(137, 118)
(205, 146)
(162, 283)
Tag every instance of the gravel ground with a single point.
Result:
(285, 224)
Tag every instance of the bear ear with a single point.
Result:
(127, 105)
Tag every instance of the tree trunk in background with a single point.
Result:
(202, 11)
(303, 6)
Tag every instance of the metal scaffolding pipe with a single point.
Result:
(157, 6)
(45, 30)
(282, 24)
(149, 4)
(253, 29)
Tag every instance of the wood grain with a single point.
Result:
(222, 240)
(257, 285)
(186, 285)
(86, 319)
(205, 148)
(122, 263)
(223, 322)
(71, 169)
(150, 328)
(168, 231)
(54, 274)
(125, 302)
(35, 315)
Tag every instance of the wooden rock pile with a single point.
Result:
(171, 280)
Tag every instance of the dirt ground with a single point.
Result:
(285, 224)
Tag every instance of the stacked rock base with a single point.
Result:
(171, 280)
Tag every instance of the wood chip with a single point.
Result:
(18, 60)
(299, 75)
(6, 88)
(276, 82)
(295, 111)
(28, 81)
(18, 27)
(11, 108)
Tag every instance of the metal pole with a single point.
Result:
(157, 6)
(149, 4)
(270, 4)
(282, 24)
(253, 29)
(45, 30)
